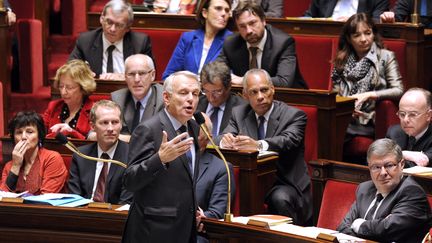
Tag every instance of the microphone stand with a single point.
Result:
(415, 16)
(228, 216)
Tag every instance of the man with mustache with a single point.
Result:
(414, 133)
(269, 125)
(259, 45)
(100, 181)
(142, 98)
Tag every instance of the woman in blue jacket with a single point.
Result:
(201, 46)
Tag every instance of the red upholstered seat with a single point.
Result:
(73, 16)
(314, 57)
(96, 5)
(336, 201)
(295, 8)
(163, 45)
(97, 97)
(235, 202)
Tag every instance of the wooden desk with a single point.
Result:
(40, 223)
(418, 49)
(5, 49)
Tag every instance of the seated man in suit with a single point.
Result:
(217, 101)
(163, 167)
(341, 10)
(403, 10)
(392, 207)
(266, 124)
(414, 134)
(259, 45)
(212, 182)
(142, 98)
(106, 48)
(100, 181)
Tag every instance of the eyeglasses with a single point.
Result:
(387, 166)
(217, 92)
(411, 114)
(110, 23)
(67, 87)
(255, 92)
(141, 74)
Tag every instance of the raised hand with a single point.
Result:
(170, 150)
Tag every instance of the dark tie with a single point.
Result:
(136, 118)
(261, 130)
(100, 186)
(253, 63)
(215, 121)
(371, 212)
(411, 143)
(110, 50)
(181, 130)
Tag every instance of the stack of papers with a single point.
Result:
(58, 199)
(418, 170)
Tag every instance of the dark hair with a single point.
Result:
(214, 70)
(27, 118)
(248, 6)
(205, 4)
(350, 27)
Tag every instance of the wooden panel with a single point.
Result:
(5, 49)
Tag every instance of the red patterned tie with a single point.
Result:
(100, 187)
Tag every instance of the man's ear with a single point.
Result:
(92, 125)
(402, 163)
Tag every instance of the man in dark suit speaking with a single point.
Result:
(259, 45)
(265, 124)
(162, 167)
(392, 207)
(106, 48)
(97, 180)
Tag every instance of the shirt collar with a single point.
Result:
(106, 44)
(144, 100)
(176, 124)
(261, 44)
(210, 107)
(267, 114)
(110, 151)
(421, 134)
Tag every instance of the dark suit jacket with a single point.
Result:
(404, 215)
(279, 58)
(424, 144)
(164, 206)
(82, 174)
(123, 97)
(324, 8)
(272, 8)
(404, 8)
(233, 101)
(285, 135)
(188, 52)
(6, 4)
(89, 47)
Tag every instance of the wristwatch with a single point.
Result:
(260, 145)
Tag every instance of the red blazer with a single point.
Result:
(52, 117)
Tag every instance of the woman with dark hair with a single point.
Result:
(32, 168)
(70, 114)
(203, 45)
(364, 70)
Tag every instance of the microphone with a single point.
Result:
(415, 16)
(64, 140)
(199, 118)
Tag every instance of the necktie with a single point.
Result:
(100, 186)
(110, 68)
(411, 143)
(253, 63)
(371, 212)
(136, 118)
(261, 131)
(215, 121)
(181, 130)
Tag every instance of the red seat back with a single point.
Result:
(295, 8)
(399, 48)
(336, 201)
(74, 17)
(235, 202)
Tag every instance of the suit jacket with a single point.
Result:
(424, 144)
(82, 174)
(89, 47)
(285, 135)
(272, 8)
(163, 208)
(404, 8)
(123, 97)
(52, 117)
(188, 52)
(6, 4)
(404, 215)
(324, 8)
(233, 101)
(279, 58)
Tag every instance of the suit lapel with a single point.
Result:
(362, 6)
(97, 48)
(226, 114)
(128, 47)
(273, 120)
(129, 111)
(92, 169)
(251, 125)
(203, 166)
(242, 58)
(150, 106)
(197, 46)
(267, 52)
(330, 8)
(215, 47)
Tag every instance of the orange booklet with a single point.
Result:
(267, 220)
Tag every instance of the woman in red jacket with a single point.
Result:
(70, 114)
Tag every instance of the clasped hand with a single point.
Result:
(61, 127)
(240, 142)
(170, 150)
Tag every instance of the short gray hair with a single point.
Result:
(168, 83)
(118, 7)
(426, 93)
(148, 60)
(256, 71)
(383, 147)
